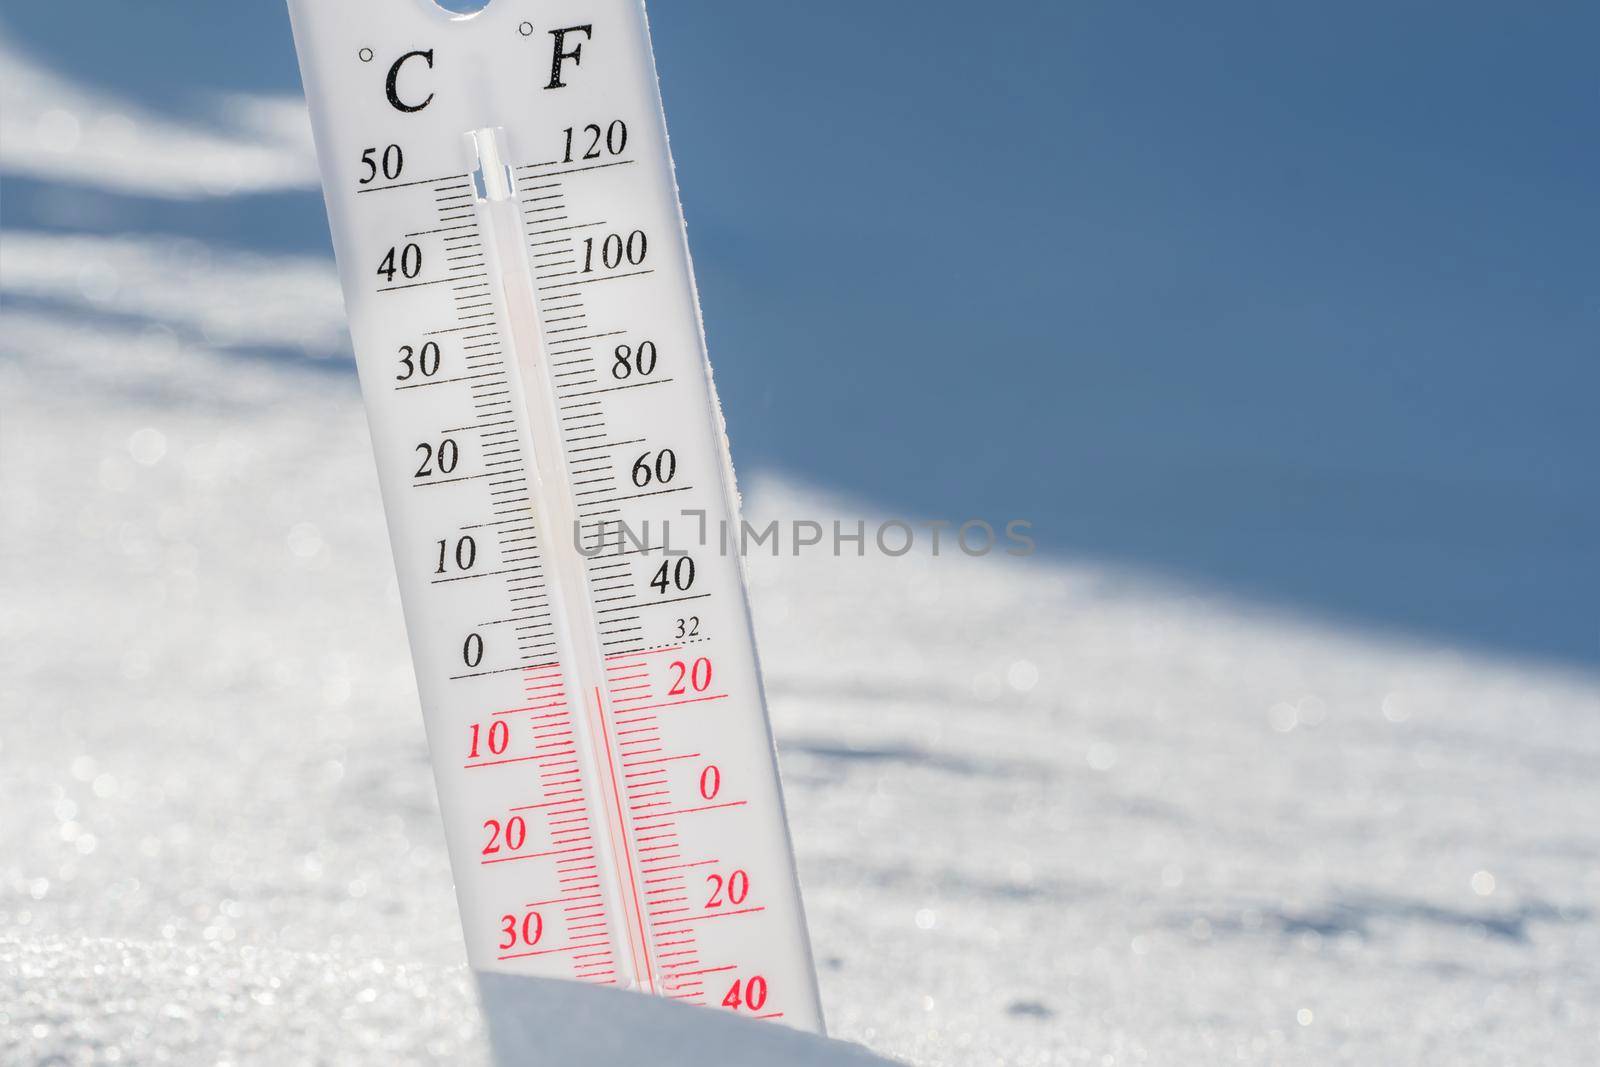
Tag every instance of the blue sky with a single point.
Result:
(1294, 300)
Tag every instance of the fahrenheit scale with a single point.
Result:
(518, 283)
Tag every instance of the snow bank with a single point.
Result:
(545, 1023)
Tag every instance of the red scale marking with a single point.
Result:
(633, 887)
(531, 856)
(497, 763)
(551, 726)
(679, 703)
(537, 952)
(531, 707)
(644, 780)
(717, 915)
(685, 866)
(649, 652)
(660, 759)
(643, 739)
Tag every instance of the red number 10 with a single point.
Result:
(498, 737)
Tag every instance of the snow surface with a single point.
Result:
(1046, 811)
(52, 127)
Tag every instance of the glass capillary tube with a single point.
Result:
(566, 580)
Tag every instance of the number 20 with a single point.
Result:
(734, 889)
(698, 675)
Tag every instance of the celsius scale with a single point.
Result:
(527, 331)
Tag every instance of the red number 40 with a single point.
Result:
(747, 993)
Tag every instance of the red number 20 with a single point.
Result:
(698, 676)
(734, 889)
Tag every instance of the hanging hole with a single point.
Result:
(463, 7)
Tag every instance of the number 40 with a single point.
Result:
(748, 993)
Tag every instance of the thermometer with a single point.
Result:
(551, 454)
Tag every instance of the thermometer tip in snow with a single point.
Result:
(520, 296)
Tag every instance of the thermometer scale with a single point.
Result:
(550, 447)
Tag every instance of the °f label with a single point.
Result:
(518, 283)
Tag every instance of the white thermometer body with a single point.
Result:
(515, 270)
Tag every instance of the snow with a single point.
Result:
(1046, 810)
(231, 300)
(54, 128)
